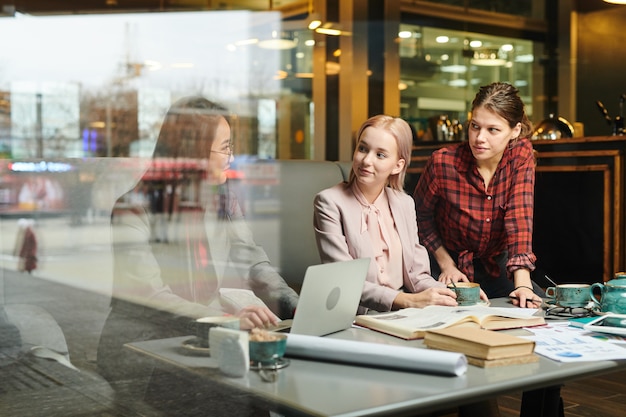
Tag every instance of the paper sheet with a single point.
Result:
(377, 355)
(564, 343)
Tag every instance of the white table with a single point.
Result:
(308, 387)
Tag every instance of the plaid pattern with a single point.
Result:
(454, 210)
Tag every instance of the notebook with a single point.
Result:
(329, 298)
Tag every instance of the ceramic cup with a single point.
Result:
(569, 295)
(467, 293)
(205, 323)
(612, 296)
(268, 351)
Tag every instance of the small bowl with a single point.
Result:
(268, 352)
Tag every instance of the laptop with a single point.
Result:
(329, 298)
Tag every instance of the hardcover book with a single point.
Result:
(479, 343)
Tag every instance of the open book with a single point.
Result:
(412, 323)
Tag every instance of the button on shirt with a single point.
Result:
(455, 210)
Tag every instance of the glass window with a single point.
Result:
(149, 160)
(442, 69)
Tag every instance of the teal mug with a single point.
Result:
(612, 296)
(467, 293)
(569, 295)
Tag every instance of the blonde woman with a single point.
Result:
(370, 216)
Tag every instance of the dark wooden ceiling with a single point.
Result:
(36, 7)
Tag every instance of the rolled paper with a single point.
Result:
(377, 355)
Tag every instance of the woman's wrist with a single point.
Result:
(524, 286)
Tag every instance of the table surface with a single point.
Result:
(309, 387)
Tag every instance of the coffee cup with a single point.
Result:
(569, 295)
(467, 293)
(204, 324)
(612, 296)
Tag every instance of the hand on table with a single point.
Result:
(431, 296)
(525, 297)
(256, 316)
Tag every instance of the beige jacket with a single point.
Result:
(337, 221)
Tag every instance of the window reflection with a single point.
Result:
(82, 101)
(73, 92)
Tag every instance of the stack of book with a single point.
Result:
(484, 348)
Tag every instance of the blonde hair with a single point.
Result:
(401, 131)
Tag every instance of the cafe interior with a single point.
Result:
(84, 89)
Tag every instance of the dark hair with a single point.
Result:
(503, 99)
(188, 128)
(401, 131)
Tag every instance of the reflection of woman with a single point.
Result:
(159, 288)
(371, 216)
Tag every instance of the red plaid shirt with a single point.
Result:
(454, 210)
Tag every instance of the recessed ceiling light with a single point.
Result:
(524, 58)
(454, 69)
(457, 83)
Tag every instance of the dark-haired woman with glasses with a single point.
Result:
(160, 289)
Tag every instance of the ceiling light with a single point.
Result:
(616, 1)
(250, 41)
(405, 34)
(454, 69)
(314, 21)
(457, 83)
(442, 39)
(475, 44)
(276, 42)
(489, 57)
(526, 58)
(328, 31)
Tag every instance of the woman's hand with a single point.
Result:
(256, 316)
(431, 296)
(452, 274)
(523, 296)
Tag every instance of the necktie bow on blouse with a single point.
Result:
(372, 223)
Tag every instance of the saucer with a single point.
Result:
(191, 347)
(280, 363)
(608, 313)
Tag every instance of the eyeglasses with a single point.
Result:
(228, 152)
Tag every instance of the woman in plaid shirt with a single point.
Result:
(475, 201)
(474, 205)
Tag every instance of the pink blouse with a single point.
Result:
(377, 221)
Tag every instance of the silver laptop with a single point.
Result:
(329, 297)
